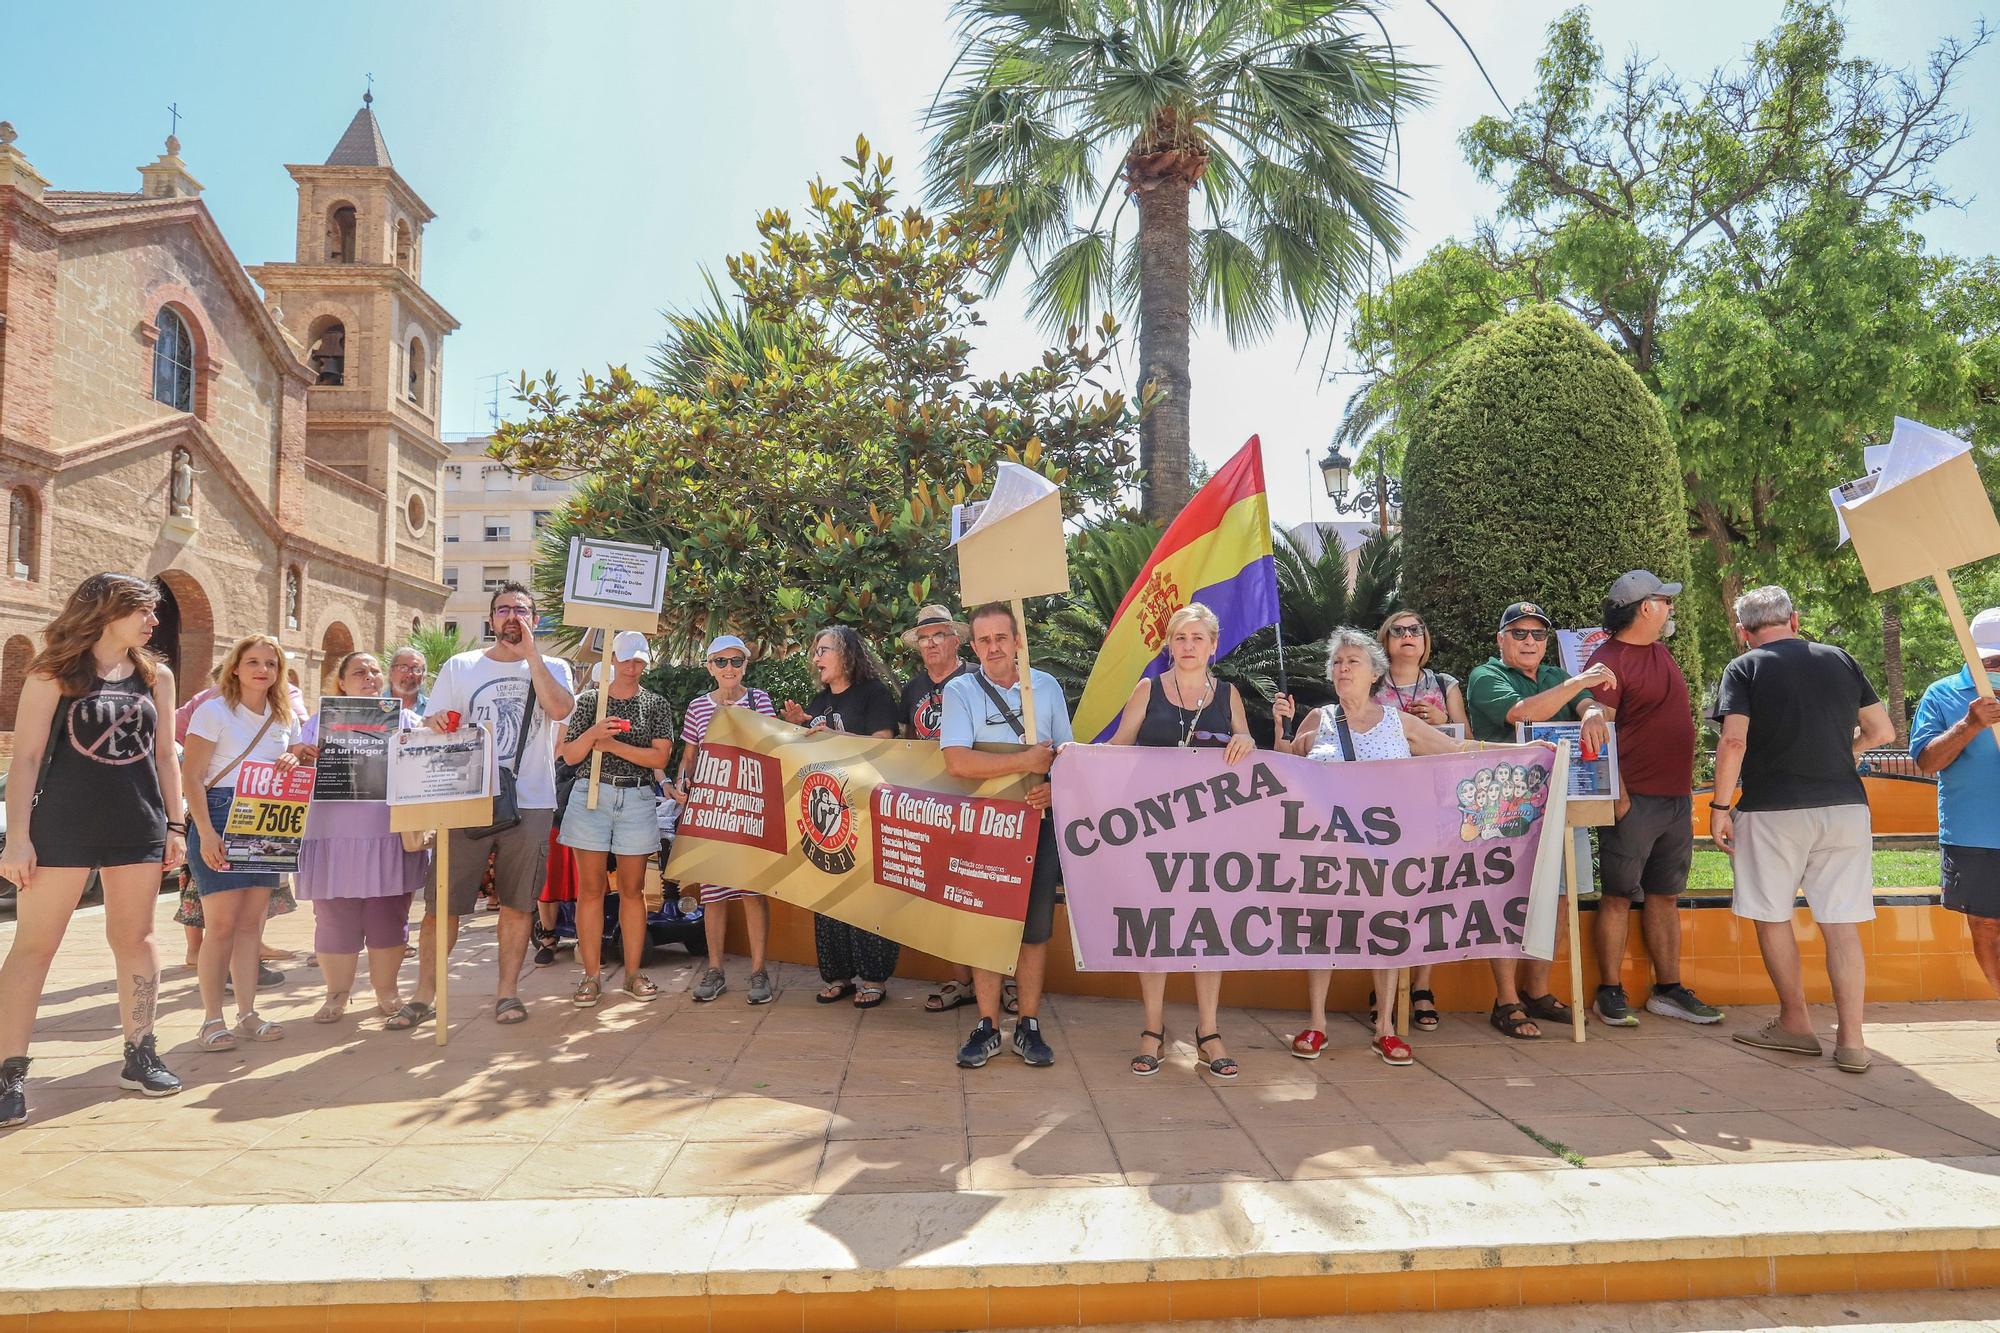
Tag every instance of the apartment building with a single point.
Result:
(493, 519)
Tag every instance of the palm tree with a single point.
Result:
(1281, 114)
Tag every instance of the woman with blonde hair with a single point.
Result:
(1430, 696)
(249, 720)
(1186, 707)
(88, 727)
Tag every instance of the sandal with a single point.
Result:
(641, 987)
(948, 997)
(1145, 1066)
(331, 1011)
(1308, 1044)
(216, 1036)
(411, 1014)
(258, 1028)
(1393, 1050)
(834, 992)
(1423, 1011)
(869, 995)
(1547, 1009)
(1222, 1066)
(508, 1010)
(1509, 1019)
(588, 991)
(1010, 996)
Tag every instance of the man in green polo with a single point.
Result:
(1518, 685)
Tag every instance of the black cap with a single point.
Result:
(1524, 611)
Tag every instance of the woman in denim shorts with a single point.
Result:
(635, 738)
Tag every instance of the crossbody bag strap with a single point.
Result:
(1346, 733)
(1000, 702)
(60, 716)
(527, 720)
(269, 718)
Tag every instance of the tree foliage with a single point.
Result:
(1745, 241)
(806, 435)
(1500, 504)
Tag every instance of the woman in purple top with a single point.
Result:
(354, 871)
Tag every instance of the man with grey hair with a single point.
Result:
(407, 669)
(1794, 716)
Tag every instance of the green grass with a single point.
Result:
(1895, 868)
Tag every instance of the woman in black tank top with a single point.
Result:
(1186, 707)
(91, 789)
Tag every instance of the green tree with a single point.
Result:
(1745, 242)
(1279, 114)
(436, 643)
(1540, 468)
(807, 435)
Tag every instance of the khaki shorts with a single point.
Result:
(1827, 850)
(518, 869)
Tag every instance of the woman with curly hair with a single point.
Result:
(88, 725)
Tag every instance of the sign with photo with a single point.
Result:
(353, 739)
(429, 767)
(267, 818)
(1590, 779)
(614, 585)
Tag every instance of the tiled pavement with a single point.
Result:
(675, 1098)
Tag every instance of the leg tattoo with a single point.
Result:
(143, 990)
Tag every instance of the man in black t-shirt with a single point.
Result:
(937, 638)
(1794, 716)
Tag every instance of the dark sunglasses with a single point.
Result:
(1527, 635)
(1416, 631)
(731, 662)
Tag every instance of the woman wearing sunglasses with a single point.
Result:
(1410, 686)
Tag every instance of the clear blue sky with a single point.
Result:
(586, 160)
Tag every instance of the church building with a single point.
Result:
(270, 457)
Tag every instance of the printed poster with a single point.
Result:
(267, 819)
(1593, 779)
(428, 766)
(354, 748)
(621, 575)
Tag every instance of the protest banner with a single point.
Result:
(1921, 513)
(1175, 861)
(438, 781)
(1011, 546)
(353, 742)
(871, 832)
(267, 818)
(607, 587)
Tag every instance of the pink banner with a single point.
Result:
(1174, 861)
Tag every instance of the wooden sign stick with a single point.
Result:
(1027, 678)
(1959, 626)
(1570, 874)
(443, 863)
(603, 700)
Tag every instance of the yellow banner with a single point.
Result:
(871, 832)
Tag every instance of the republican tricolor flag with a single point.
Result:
(1218, 553)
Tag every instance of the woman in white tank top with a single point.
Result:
(1354, 663)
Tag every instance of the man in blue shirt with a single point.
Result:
(1951, 737)
(985, 705)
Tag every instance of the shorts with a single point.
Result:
(1971, 880)
(345, 925)
(711, 894)
(79, 857)
(559, 880)
(1041, 919)
(522, 858)
(625, 820)
(1648, 853)
(207, 881)
(1828, 849)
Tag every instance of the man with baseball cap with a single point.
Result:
(1952, 737)
(1519, 684)
(1644, 858)
(937, 638)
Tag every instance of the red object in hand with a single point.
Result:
(451, 719)
(1589, 752)
(619, 723)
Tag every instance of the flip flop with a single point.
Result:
(333, 1010)
(840, 990)
(861, 1000)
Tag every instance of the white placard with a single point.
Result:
(426, 767)
(620, 575)
(1576, 645)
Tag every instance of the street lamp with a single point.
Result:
(1335, 469)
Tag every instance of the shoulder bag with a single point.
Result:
(506, 796)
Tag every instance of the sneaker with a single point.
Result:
(1612, 1007)
(267, 977)
(1028, 1043)
(981, 1046)
(13, 1090)
(712, 984)
(1682, 1003)
(760, 987)
(143, 1071)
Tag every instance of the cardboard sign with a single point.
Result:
(267, 818)
(614, 585)
(1926, 509)
(1011, 545)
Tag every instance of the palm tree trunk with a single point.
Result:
(1164, 450)
(1892, 666)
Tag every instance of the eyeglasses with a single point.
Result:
(524, 612)
(926, 640)
(1527, 635)
(728, 663)
(822, 649)
(1665, 601)
(1416, 631)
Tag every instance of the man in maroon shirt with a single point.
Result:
(1644, 857)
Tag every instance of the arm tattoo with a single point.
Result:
(143, 991)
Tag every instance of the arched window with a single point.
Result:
(416, 366)
(21, 533)
(340, 235)
(329, 353)
(406, 255)
(173, 362)
(14, 661)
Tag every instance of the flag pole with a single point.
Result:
(1278, 628)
